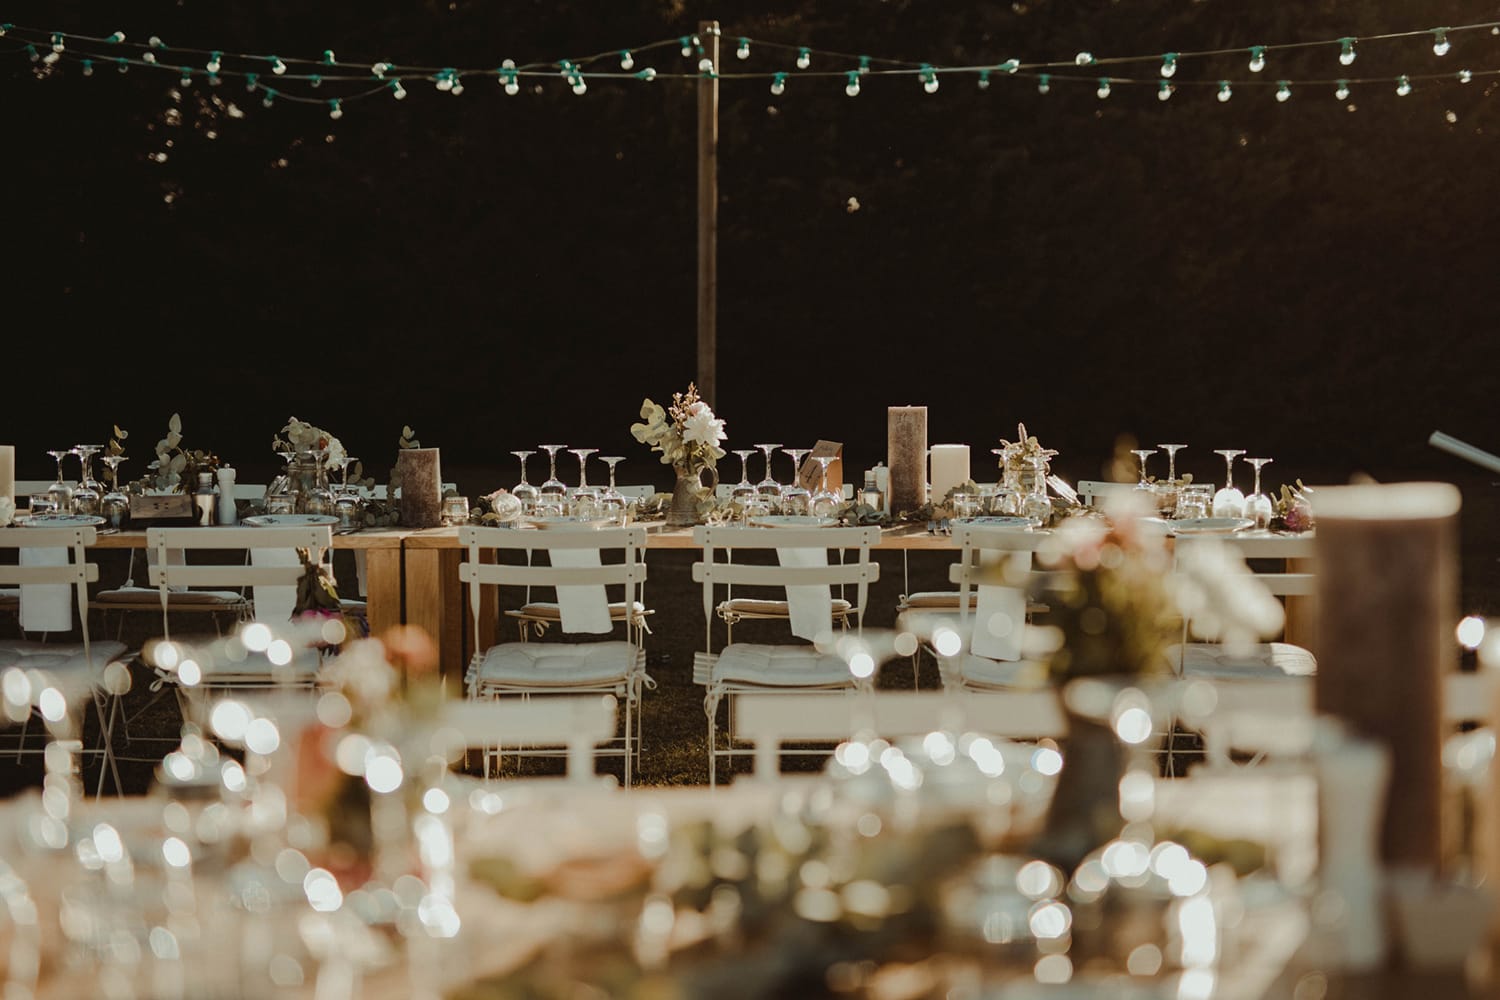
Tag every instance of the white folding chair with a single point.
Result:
(578, 723)
(582, 569)
(802, 575)
(767, 721)
(75, 674)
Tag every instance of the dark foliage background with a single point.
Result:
(1309, 280)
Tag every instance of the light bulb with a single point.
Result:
(1346, 51)
(852, 86)
(705, 65)
(648, 74)
(864, 65)
(1164, 91)
(512, 87)
(155, 42)
(124, 67)
(398, 91)
(213, 62)
(1440, 42)
(1083, 59)
(328, 59)
(443, 81)
(627, 61)
(1224, 92)
(931, 85)
(335, 110)
(1464, 76)
(57, 41)
(251, 79)
(269, 99)
(804, 58)
(1343, 92)
(88, 67)
(579, 87)
(1257, 58)
(187, 77)
(315, 81)
(1044, 83)
(148, 57)
(458, 87)
(1403, 86)
(984, 79)
(378, 70)
(743, 52)
(117, 37)
(1283, 91)
(1011, 65)
(778, 84)
(1169, 65)
(1103, 90)
(687, 46)
(277, 66)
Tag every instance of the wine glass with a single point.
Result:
(346, 502)
(825, 502)
(552, 484)
(744, 487)
(585, 497)
(88, 492)
(1166, 489)
(61, 491)
(1143, 453)
(796, 499)
(1229, 501)
(769, 486)
(614, 505)
(524, 491)
(114, 505)
(1258, 506)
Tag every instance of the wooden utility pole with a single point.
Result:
(708, 216)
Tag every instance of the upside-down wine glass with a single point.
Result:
(795, 498)
(769, 486)
(585, 497)
(1166, 489)
(614, 505)
(114, 505)
(1258, 506)
(744, 487)
(86, 496)
(825, 502)
(552, 484)
(61, 491)
(346, 502)
(1143, 453)
(1229, 501)
(524, 491)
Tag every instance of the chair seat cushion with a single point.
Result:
(779, 666)
(937, 599)
(771, 608)
(63, 662)
(549, 611)
(150, 597)
(555, 664)
(1266, 659)
(981, 671)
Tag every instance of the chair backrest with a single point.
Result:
(1287, 582)
(768, 720)
(479, 569)
(578, 722)
(715, 540)
(74, 569)
(235, 557)
(1092, 491)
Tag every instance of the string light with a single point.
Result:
(929, 79)
(1464, 76)
(1257, 58)
(315, 81)
(187, 77)
(1403, 85)
(213, 62)
(328, 59)
(508, 78)
(57, 41)
(1284, 91)
(335, 109)
(851, 86)
(864, 65)
(627, 61)
(379, 69)
(1011, 66)
(1103, 90)
(32, 53)
(1346, 51)
(706, 67)
(122, 66)
(277, 66)
(1083, 59)
(1225, 93)
(1343, 92)
(88, 67)
(778, 84)
(1164, 91)
(1169, 65)
(269, 99)
(984, 79)
(1044, 83)
(1440, 41)
(251, 79)
(398, 91)
(648, 74)
(804, 57)
(117, 37)
(743, 50)
(688, 43)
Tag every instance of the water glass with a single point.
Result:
(43, 503)
(455, 511)
(281, 503)
(965, 504)
(1194, 500)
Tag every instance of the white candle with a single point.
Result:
(8, 470)
(950, 466)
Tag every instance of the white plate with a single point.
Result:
(62, 521)
(289, 520)
(790, 521)
(554, 523)
(1209, 525)
(995, 521)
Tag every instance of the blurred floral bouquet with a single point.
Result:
(686, 433)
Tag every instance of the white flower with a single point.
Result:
(1220, 596)
(701, 426)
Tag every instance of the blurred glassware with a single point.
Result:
(1259, 507)
(114, 506)
(585, 501)
(744, 487)
(1144, 482)
(826, 501)
(62, 492)
(455, 511)
(768, 486)
(1194, 500)
(552, 484)
(1229, 501)
(1036, 506)
(966, 504)
(614, 506)
(796, 499)
(523, 490)
(87, 494)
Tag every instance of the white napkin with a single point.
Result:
(46, 607)
(582, 608)
(999, 618)
(275, 603)
(809, 606)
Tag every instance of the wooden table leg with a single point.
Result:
(435, 603)
(1301, 612)
(383, 589)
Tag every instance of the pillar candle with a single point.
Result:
(906, 454)
(950, 466)
(8, 470)
(1386, 558)
(421, 487)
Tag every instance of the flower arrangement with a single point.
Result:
(174, 469)
(301, 436)
(687, 434)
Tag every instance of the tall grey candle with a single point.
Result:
(906, 454)
(1386, 559)
(421, 487)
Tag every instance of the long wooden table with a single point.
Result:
(412, 576)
